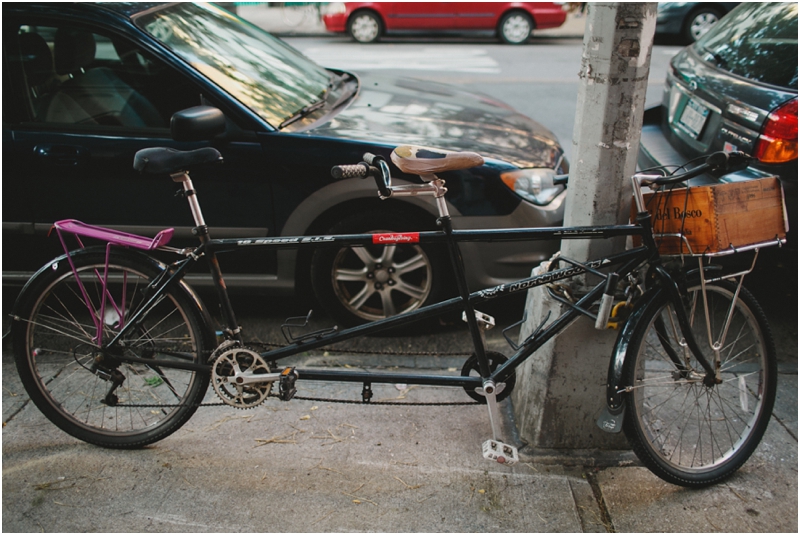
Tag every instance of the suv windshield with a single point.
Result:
(756, 41)
(259, 70)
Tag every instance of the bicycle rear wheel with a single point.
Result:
(68, 376)
(685, 432)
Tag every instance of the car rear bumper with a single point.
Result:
(335, 22)
(655, 150)
(549, 18)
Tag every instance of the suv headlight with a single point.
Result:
(533, 185)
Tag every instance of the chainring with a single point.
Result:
(471, 368)
(239, 362)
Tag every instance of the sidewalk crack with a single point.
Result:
(601, 502)
(791, 434)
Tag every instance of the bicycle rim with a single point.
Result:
(688, 433)
(72, 378)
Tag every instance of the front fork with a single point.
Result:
(712, 373)
(685, 323)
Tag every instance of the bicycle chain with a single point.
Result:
(407, 403)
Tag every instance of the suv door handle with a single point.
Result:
(60, 155)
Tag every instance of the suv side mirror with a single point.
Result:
(200, 123)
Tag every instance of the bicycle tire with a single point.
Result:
(67, 376)
(683, 431)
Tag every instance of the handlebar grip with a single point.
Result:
(359, 170)
(371, 159)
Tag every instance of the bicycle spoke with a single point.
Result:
(58, 329)
(698, 431)
(90, 392)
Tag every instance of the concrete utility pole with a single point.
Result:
(560, 391)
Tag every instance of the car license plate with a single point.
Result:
(694, 117)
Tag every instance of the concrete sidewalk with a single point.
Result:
(313, 466)
(296, 22)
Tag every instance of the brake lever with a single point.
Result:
(383, 179)
(725, 162)
(738, 160)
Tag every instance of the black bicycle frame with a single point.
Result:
(626, 261)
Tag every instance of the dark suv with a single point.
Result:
(87, 85)
(734, 89)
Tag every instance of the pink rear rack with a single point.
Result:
(114, 236)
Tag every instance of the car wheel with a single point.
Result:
(699, 22)
(515, 28)
(365, 27)
(356, 285)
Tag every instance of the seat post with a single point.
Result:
(191, 196)
(440, 190)
(232, 331)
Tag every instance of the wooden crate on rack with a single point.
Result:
(714, 218)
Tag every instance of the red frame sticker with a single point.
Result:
(396, 237)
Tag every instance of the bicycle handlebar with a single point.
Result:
(717, 162)
(374, 166)
(358, 170)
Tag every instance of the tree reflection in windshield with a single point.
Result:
(757, 41)
(260, 71)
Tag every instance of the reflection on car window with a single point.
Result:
(79, 77)
(260, 71)
(757, 41)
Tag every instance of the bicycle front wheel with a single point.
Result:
(61, 324)
(685, 432)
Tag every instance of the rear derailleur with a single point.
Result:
(111, 373)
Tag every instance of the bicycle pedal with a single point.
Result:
(494, 450)
(485, 321)
(286, 389)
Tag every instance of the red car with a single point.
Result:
(366, 22)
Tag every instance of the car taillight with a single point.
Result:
(778, 140)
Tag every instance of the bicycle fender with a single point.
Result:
(209, 332)
(49, 265)
(613, 414)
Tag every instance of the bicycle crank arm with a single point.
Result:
(494, 449)
(250, 378)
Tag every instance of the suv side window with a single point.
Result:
(76, 76)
